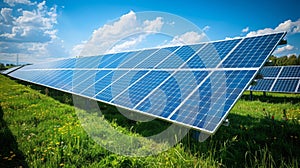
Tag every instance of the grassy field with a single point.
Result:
(43, 131)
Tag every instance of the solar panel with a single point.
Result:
(5, 72)
(279, 79)
(191, 85)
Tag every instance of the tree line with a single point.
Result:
(284, 60)
(6, 66)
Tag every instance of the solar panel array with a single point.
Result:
(191, 85)
(279, 79)
(5, 72)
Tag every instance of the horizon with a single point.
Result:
(41, 31)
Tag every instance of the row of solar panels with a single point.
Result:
(279, 79)
(182, 57)
(5, 72)
(191, 85)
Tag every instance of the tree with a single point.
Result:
(292, 60)
(2, 66)
(284, 60)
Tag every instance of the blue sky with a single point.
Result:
(46, 30)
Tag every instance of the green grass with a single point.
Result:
(43, 131)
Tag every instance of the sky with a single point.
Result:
(38, 31)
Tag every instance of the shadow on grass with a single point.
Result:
(10, 155)
(251, 142)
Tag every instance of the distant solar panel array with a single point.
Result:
(279, 79)
(5, 72)
(191, 85)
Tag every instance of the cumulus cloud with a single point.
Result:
(284, 49)
(14, 2)
(76, 50)
(188, 38)
(245, 30)
(29, 30)
(153, 25)
(110, 37)
(30, 26)
(127, 44)
(291, 27)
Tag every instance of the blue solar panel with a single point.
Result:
(137, 58)
(212, 54)
(213, 90)
(90, 91)
(156, 58)
(192, 85)
(279, 79)
(180, 56)
(252, 52)
(270, 71)
(290, 71)
(285, 85)
(263, 85)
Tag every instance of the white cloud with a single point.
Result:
(206, 28)
(245, 30)
(29, 25)
(232, 38)
(6, 15)
(14, 2)
(128, 44)
(76, 50)
(291, 27)
(29, 30)
(284, 49)
(107, 38)
(153, 25)
(292, 54)
(188, 38)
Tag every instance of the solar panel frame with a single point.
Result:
(210, 71)
(7, 71)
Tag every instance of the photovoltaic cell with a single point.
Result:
(290, 71)
(191, 85)
(263, 85)
(157, 57)
(252, 52)
(270, 71)
(179, 57)
(285, 85)
(278, 79)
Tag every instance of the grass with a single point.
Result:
(44, 131)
